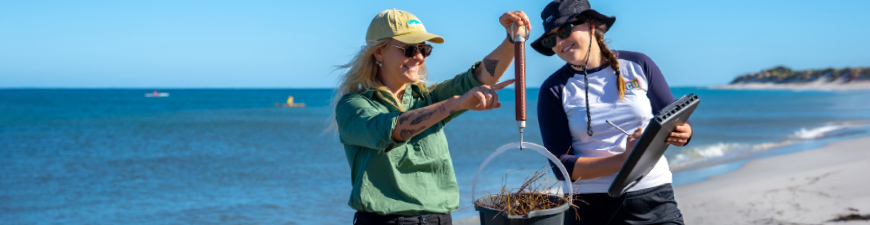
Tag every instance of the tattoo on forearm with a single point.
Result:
(491, 64)
(406, 133)
(404, 117)
(423, 116)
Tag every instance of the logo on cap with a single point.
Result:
(549, 18)
(414, 22)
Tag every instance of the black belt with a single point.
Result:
(365, 218)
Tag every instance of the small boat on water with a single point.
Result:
(156, 94)
(290, 103)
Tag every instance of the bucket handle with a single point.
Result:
(525, 145)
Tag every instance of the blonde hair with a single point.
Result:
(361, 74)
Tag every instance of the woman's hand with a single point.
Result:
(680, 135)
(519, 17)
(483, 97)
(632, 141)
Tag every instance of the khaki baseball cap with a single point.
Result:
(399, 25)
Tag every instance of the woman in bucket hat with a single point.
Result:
(594, 86)
(391, 123)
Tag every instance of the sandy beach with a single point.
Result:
(809, 187)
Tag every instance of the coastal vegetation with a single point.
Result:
(785, 75)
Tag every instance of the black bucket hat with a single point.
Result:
(559, 12)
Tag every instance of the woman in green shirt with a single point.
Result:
(391, 124)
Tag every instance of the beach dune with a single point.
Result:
(809, 187)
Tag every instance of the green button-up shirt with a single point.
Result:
(408, 178)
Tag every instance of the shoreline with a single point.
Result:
(811, 186)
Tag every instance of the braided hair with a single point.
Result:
(608, 55)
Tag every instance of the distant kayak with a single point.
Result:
(156, 94)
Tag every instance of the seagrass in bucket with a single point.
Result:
(550, 209)
(544, 216)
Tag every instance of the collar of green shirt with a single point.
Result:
(383, 95)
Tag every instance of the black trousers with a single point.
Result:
(655, 205)
(367, 218)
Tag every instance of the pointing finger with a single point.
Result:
(504, 84)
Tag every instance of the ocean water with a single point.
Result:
(228, 156)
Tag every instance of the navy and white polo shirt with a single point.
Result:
(562, 115)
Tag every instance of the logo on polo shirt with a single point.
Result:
(632, 84)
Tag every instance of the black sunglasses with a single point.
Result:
(411, 50)
(549, 41)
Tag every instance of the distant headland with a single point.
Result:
(781, 77)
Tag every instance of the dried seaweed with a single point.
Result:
(851, 217)
(531, 196)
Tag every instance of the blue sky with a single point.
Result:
(295, 44)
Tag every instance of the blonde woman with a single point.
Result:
(391, 123)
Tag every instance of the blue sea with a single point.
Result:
(229, 156)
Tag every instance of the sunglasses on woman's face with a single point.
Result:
(411, 50)
(563, 32)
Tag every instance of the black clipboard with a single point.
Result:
(651, 145)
